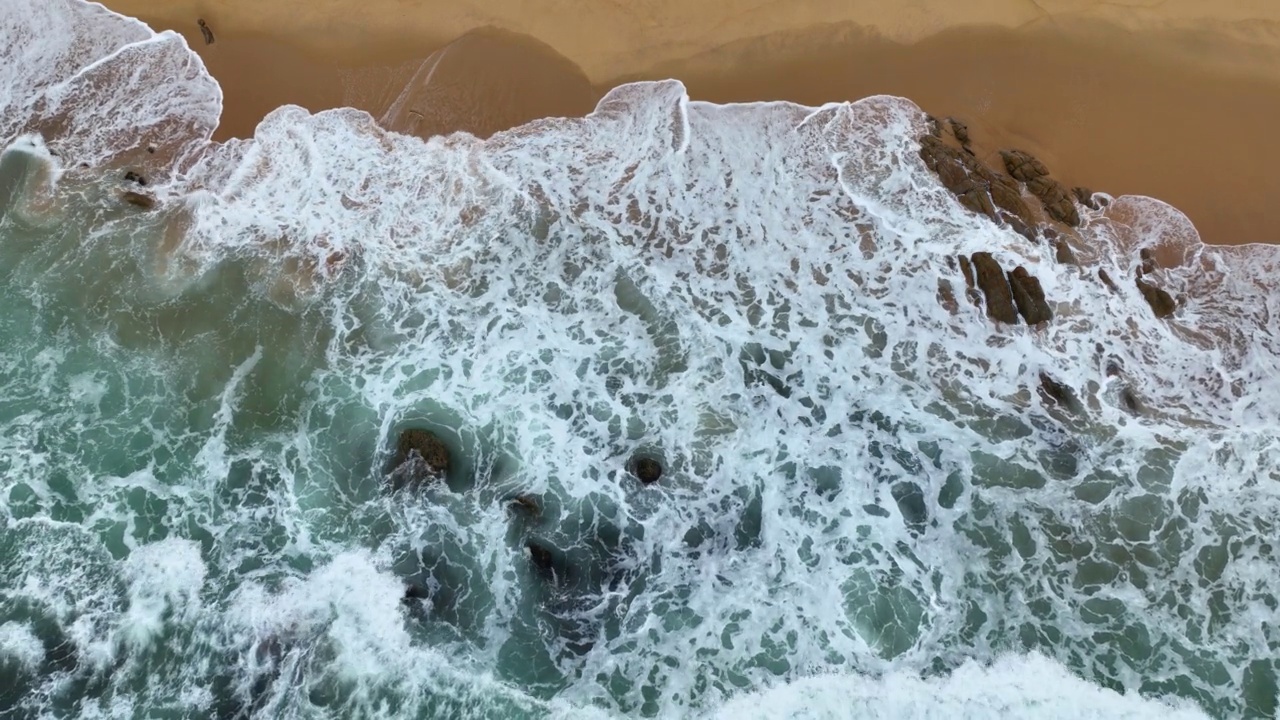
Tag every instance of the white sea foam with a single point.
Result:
(1011, 687)
(856, 479)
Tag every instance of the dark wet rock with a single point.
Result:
(976, 186)
(134, 177)
(1058, 393)
(1160, 301)
(205, 31)
(1105, 277)
(1063, 252)
(1129, 400)
(138, 200)
(1029, 296)
(416, 591)
(995, 287)
(966, 267)
(1085, 197)
(1148, 265)
(1057, 203)
(959, 130)
(420, 456)
(646, 469)
(546, 560)
(526, 504)
(935, 127)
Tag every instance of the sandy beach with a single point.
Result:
(1172, 99)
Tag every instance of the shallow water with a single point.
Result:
(864, 498)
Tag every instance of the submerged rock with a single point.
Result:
(547, 561)
(1058, 393)
(134, 177)
(1057, 203)
(139, 200)
(420, 456)
(1029, 296)
(527, 504)
(991, 279)
(646, 469)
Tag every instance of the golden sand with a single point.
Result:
(1169, 98)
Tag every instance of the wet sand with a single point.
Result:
(1174, 101)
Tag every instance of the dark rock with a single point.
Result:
(971, 287)
(205, 31)
(414, 591)
(646, 469)
(1058, 393)
(1129, 400)
(1022, 166)
(151, 150)
(1029, 296)
(966, 267)
(134, 177)
(1106, 279)
(935, 128)
(1160, 301)
(420, 456)
(139, 200)
(1148, 262)
(995, 286)
(526, 504)
(959, 130)
(546, 560)
(1084, 196)
(1063, 252)
(976, 186)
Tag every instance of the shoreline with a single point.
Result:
(1174, 113)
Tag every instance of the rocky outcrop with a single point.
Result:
(995, 287)
(1057, 203)
(1029, 297)
(976, 186)
(420, 457)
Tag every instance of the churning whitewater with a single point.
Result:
(868, 505)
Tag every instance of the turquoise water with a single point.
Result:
(866, 509)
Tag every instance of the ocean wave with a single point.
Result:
(859, 475)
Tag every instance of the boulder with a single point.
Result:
(1063, 252)
(995, 287)
(1105, 277)
(1160, 301)
(1029, 296)
(420, 456)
